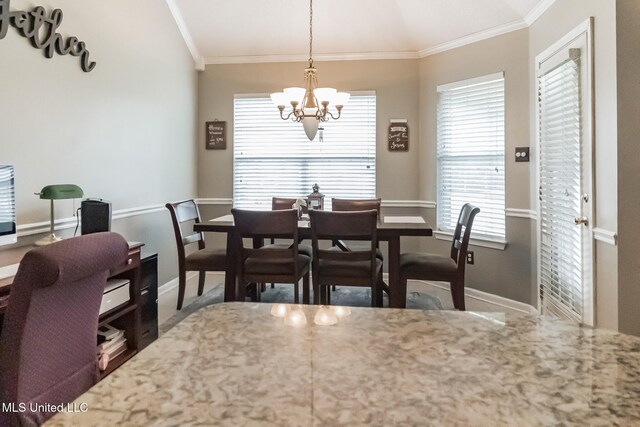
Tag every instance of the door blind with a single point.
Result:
(273, 157)
(470, 149)
(560, 190)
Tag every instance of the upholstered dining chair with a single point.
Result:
(356, 267)
(48, 342)
(183, 215)
(425, 266)
(279, 264)
(341, 205)
(284, 203)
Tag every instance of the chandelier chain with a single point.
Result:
(311, 33)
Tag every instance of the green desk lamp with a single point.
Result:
(57, 192)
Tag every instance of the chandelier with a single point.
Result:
(310, 104)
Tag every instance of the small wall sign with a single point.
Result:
(216, 135)
(398, 135)
(41, 30)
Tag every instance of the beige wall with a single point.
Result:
(124, 132)
(506, 273)
(628, 64)
(562, 17)
(396, 87)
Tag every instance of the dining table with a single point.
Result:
(389, 229)
(236, 364)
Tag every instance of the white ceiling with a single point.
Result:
(228, 31)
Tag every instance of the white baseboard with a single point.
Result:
(173, 283)
(475, 300)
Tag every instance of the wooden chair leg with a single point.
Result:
(296, 292)
(263, 287)
(182, 284)
(457, 294)
(402, 290)
(273, 285)
(328, 296)
(316, 290)
(379, 291)
(305, 289)
(333, 288)
(202, 276)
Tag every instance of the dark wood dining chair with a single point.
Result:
(183, 215)
(347, 205)
(356, 267)
(426, 266)
(284, 203)
(278, 264)
(48, 344)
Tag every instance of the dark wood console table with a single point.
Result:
(126, 317)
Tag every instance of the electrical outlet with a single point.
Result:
(470, 257)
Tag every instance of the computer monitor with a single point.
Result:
(8, 232)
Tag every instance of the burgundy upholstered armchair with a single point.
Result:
(48, 344)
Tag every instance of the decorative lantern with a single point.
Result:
(315, 200)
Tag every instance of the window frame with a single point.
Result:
(368, 158)
(442, 232)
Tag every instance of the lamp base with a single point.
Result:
(51, 238)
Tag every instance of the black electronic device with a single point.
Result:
(95, 216)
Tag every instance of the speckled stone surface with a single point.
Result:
(234, 364)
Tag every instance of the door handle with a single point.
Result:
(583, 220)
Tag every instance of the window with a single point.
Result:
(273, 157)
(470, 153)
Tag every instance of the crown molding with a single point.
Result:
(475, 37)
(186, 35)
(255, 59)
(201, 62)
(537, 11)
(367, 56)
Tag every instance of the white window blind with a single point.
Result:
(470, 152)
(273, 157)
(7, 202)
(560, 190)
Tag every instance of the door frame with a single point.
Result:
(588, 141)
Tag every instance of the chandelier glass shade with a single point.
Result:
(310, 104)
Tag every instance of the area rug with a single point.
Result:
(343, 295)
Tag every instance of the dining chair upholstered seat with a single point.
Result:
(48, 342)
(355, 267)
(207, 259)
(303, 249)
(183, 215)
(276, 264)
(424, 266)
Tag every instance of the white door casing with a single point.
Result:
(564, 172)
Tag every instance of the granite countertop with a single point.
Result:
(235, 364)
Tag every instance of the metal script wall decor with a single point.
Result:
(40, 29)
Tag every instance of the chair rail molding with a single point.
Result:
(214, 201)
(408, 204)
(521, 213)
(606, 236)
(65, 223)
